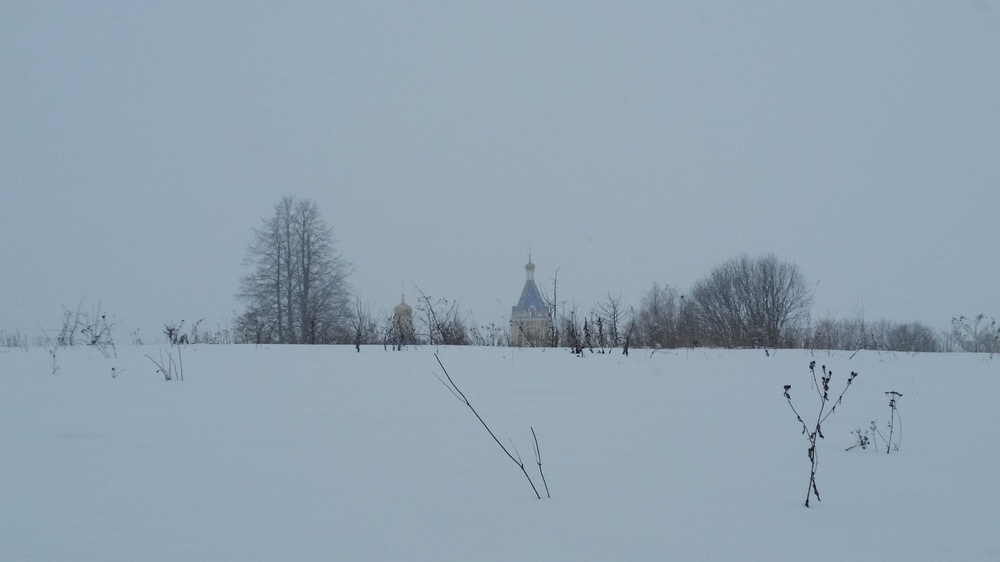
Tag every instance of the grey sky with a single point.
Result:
(625, 143)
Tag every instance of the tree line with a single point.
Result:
(296, 291)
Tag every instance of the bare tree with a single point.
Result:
(629, 332)
(297, 290)
(979, 334)
(828, 334)
(751, 302)
(611, 316)
(554, 309)
(571, 330)
(885, 335)
(364, 327)
(687, 323)
(252, 327)
(656, 322)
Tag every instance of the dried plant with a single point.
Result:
(822, 387)
(862, 439)
(449, 383)
(872, 435)
(169, 368)
(894, 422)
(95, 327)
(166, 366)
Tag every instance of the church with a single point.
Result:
(530, 324)
(402, 331)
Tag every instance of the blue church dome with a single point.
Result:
(531, 302)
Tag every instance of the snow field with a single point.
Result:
(322, 453)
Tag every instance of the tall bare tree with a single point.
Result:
(364, 326)
(296, 291)
(751, 302)
(656, 324)
(612, 315)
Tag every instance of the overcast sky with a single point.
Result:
(624, 143)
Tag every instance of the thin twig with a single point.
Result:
(538, 459)
(180, 360)
(450, 389)
(461, 396)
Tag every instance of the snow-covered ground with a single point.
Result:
(322, 453)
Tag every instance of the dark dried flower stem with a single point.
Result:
(821, 417)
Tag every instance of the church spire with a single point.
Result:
(529, 318)
(402, 307)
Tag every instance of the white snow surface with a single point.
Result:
(323, 453)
